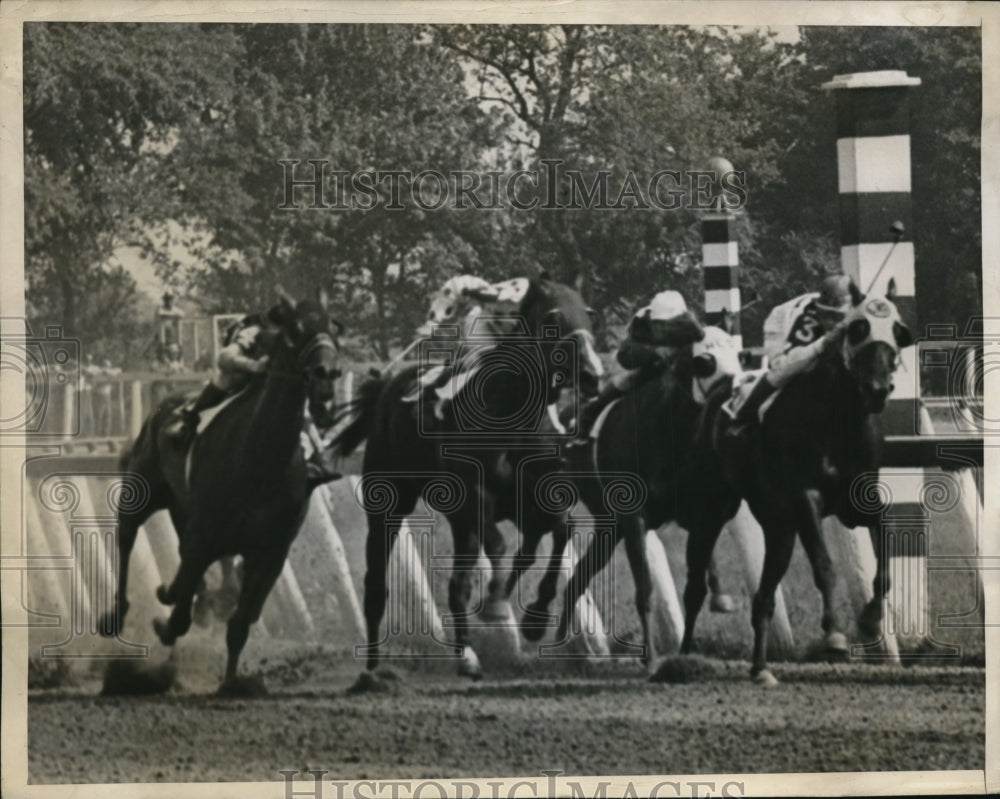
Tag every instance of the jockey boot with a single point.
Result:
(191, 414)
(747, 413)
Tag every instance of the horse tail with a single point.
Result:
(144, 445)
(362, 408)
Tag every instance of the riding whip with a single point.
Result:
(402, 354)
(897, 234)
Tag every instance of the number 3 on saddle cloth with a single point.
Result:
(792, 332)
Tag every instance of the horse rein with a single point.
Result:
(318, 342)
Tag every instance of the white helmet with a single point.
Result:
(664, 306)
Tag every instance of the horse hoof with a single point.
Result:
(162, 629)
(765, 679)
(836, 646)
(163, 594)
(535, 623)
(243, 687)
(870, 622)
(469, 665)
(722, 603)
(108, 626)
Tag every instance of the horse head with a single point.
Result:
(872, 338)
(306, 343)
(556, 316)
(715, 358)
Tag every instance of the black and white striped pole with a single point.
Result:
(876, 211)
(876, 218)
(720, 258)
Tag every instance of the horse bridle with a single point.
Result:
(321, 340)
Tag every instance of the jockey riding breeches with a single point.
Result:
(795, 361)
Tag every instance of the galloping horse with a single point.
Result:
(242, 490)
(815, 455)
(478, 462)
(650, 434)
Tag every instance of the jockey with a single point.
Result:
(657, 335)
(462, 301)
(237, 362)
(796, 334)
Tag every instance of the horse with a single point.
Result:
(241, 490)
(650, 434)
(816, 454)
(475, 463)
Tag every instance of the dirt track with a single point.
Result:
(598, 719)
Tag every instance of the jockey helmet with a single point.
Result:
(664, 306)
(666, 321)
(835, 295)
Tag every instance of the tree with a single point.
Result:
(102, 105)
(945, 145)
(362, 97)
(631, 101)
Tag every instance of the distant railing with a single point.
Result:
(97, 414)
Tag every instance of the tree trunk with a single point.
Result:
(378, 289)
(69, 309)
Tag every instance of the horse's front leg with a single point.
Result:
(261, 572)
(870, 622)
(703, 533)
(824, 575)
(779, 543)
(129, 522)
(634, 533)
(378, 547)
(464, 564)
(537, 619)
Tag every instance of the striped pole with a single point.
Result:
(720, 262)
(873, 169)
(873, 172)
(720, 256)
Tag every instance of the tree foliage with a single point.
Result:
(136, 132)
(102, 104)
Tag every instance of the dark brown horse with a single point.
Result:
(815, 455)
(247, 491)
(478, 462)
(650, 435)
